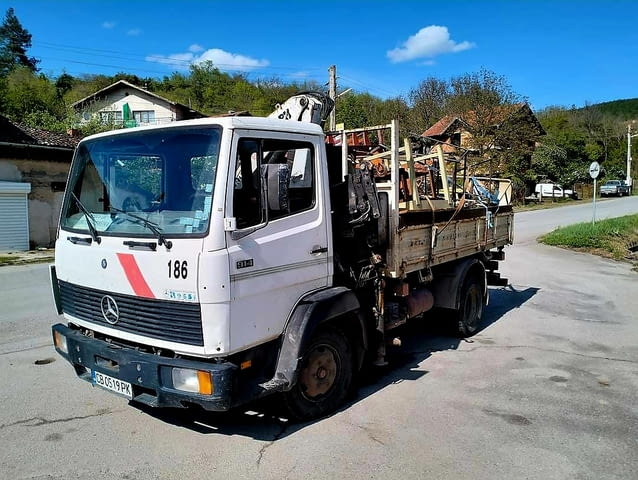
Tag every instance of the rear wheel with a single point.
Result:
(324, 377)
(468, 316)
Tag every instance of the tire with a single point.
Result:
(324, 377)
(470, 313)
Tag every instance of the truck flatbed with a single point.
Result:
(427, 239)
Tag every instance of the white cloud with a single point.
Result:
(427, 43)
(231, 61)
(134, 32)
(178, 60)
(108, 25)
(220, 58)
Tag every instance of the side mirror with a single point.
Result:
(275, 178)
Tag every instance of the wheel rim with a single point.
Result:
(320, 372)
(473, 306)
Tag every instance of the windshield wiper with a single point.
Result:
(153, 227)
(90, 219)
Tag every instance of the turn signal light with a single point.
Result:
(205, 382)
(59, 341)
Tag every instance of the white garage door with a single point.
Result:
(14, 216)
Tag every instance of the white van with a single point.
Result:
(553, 190)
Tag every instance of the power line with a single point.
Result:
(310, 73)
(369, 86)
(168, 60)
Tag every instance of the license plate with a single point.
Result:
(113, 384)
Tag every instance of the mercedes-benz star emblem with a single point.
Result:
(110, 310)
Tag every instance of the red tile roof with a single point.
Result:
(440, 127)
(11, 132)
(498, 114)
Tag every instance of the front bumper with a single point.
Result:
(149, 375)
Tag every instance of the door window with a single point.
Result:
(286, 167)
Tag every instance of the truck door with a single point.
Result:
(283, 253)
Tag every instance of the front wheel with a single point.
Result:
(468, 316)
(324, 378)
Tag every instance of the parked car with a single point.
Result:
(614, 187)
(554, 191)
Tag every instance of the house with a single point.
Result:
(479, 132)
(34, 165)
(123, 103)
(493, 141)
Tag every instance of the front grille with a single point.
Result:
(162, 319)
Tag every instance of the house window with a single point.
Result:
(144, 116)
(111, 117)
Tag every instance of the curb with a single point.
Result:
(25, 258)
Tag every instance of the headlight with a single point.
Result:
(59, 341)
(196, 381)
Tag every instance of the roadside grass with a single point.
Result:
(29, 256)
(612, 238)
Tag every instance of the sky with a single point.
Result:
(561, 52)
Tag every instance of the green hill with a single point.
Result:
(624, 109)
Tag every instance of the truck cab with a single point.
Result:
(172, 241)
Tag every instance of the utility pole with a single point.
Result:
(332, 93)
(629, 180)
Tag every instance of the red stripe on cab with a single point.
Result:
(134, 275)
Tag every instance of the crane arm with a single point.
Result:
(313, 107)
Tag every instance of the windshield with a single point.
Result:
(146, 183)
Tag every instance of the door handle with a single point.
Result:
(319, 250)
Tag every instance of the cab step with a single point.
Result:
(494, 279)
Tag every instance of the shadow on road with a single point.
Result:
(264, 420)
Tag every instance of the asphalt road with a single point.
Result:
(546, 390)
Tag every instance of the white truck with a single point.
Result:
(211, 262)
(552, 190)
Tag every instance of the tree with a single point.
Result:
(64, 84)
(577, 137)
(14, 43)
(502, 130)
(356, 110)
(26, 93)
(396, 108)
(428, 103)
(484, 101)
